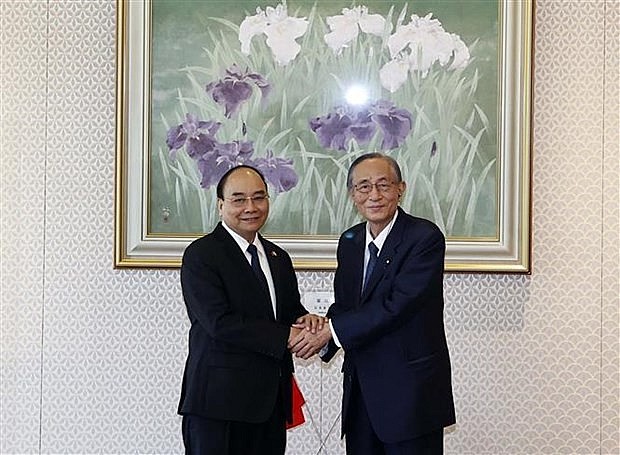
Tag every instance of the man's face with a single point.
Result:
(242, 214)
(380, 203)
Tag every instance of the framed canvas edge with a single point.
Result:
(510, 252)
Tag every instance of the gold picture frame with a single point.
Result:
(505, 250)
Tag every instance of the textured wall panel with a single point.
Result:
(322, 386)
(610, 311)
(114, 340)
(23, 47)
(562, 343)
(535, 358)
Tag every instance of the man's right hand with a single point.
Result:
(306, 344)
(293, 334)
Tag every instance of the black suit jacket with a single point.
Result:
(393, 333)
(238, 359)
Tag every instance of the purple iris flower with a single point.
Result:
(363, 128)
(395, 123)
(332, 130)
(336, 129)
(213, 158)
(279, 172)
(235, 88)
(208, 168)
(197, 135)
(213, 166)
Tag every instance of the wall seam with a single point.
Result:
(602, 239)
(44, 229)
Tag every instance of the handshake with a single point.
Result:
(308, 335)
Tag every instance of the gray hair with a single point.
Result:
(368, 156)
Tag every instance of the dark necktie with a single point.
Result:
(372, 260)
(257, 268)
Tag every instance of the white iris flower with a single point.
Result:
(394, 73)
(281, 31)
(417, 46)
(345, 27)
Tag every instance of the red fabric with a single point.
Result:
(298, 401)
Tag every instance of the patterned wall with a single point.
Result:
(91, 357)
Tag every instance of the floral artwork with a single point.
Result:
(300, 89)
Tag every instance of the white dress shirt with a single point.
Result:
(262, 257)
(378, 241)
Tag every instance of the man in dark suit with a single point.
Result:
(242, 300)
(388, 318)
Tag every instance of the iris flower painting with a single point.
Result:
(300, 89)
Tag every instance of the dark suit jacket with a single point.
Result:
(238, 358)
(393, 334)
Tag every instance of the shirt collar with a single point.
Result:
(380, 239)
(243, 243)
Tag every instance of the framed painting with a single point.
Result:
(299, 89)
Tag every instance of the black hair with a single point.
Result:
(368, 156)
(219, 191)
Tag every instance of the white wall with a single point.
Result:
(91, 357)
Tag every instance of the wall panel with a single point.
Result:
(92, 357)
(610, 302)
(23, 118)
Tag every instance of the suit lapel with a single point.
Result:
(356, 265)
(388, 251)
(232, 247)
(245, 268)
(274, 266)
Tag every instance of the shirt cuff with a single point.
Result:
(334, 336)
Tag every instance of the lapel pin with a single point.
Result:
(273, 253)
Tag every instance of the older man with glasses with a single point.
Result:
(242, 299)
(388, 319)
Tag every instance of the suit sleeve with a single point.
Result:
(419, 273)
(291, 304)
(206, 292)
(331, 349)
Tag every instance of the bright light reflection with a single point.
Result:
(356, 95)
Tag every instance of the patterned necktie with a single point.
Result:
(257, 268)
(372, 260)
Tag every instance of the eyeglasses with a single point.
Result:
(366, 187)
(239, 201)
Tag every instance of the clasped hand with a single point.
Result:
(308, 335)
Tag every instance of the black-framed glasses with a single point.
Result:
(366, 187)
(240, 201)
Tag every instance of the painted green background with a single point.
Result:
(179, 34)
